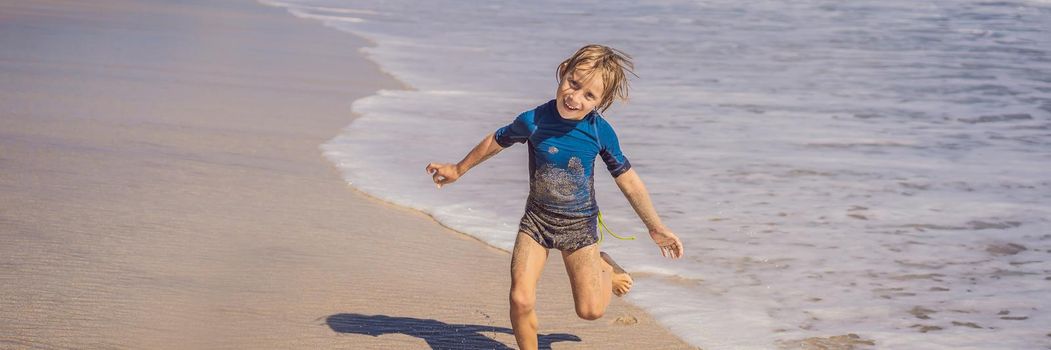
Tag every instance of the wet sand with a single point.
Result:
(162, 188)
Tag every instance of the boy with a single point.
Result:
(565, 136)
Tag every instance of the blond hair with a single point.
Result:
(610, 63)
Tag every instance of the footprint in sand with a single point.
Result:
(626, 320)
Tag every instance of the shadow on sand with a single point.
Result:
(439, 335)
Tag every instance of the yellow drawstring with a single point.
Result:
(602, 225)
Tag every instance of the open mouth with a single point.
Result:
(569, 107)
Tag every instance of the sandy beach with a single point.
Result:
(162, 188)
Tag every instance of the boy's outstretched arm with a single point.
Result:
(633, 188)
(446, 173)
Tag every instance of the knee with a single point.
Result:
(590, 313)
(522, 300)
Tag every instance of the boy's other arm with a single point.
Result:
(446, 173)
(635, 191)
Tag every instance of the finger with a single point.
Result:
(679, 251)
(432, 167)
(671, 251)
(437, 181)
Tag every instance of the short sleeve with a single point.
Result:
(614, 158)
(516, 132)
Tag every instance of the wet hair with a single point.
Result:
(610, 63)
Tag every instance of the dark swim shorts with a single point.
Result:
(558, 231)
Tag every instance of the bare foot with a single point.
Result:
(621, 280)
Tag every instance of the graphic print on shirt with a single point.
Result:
(556, 185)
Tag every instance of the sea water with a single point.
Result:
(881, 168)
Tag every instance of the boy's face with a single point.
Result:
(576, 97)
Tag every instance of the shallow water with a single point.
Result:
(872, 167)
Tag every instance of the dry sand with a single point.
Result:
(161, 187)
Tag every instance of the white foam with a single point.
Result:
(327, 18)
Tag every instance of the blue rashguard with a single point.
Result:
(561, 211)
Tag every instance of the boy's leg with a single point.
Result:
(594, 276)
(527, 261)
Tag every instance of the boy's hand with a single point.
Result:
(671, 246)
(443, 173)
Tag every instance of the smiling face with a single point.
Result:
(578, 93)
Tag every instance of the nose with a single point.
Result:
(576, 95)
